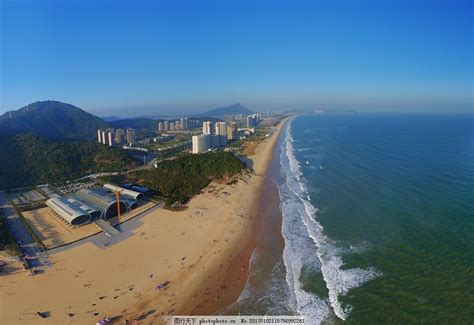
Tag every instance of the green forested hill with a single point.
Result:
(28, 159)
(136, 123)
(52, 119)
(181, 178)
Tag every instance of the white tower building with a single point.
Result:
(131, 135)
(110, 137)
(201, 143)
(207, 127)
(99, 135)
(221, 132)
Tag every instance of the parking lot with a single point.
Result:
(27, 197)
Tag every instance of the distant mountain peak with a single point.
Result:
(233, 109)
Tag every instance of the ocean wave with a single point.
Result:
(305, 242)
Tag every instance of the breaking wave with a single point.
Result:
(307, 245)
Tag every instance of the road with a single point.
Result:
(27, 244)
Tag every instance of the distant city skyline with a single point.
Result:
(172, 58)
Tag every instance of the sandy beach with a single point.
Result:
(203, 251)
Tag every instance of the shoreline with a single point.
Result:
(204, 251)
(267, 239)
(237, 274)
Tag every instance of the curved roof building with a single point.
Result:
(93, 212)
(68, 211)
(101, 199)
(124, 191)
(131, 204)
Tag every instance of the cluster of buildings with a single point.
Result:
(183, 123)
(87, 205)
(253, 120)
(111, 137)
(213, 136)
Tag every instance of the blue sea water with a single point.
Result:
(377, 219)
(388, 202)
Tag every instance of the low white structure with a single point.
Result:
(133, 194)
(68, 211)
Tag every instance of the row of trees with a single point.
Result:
(182, 178)
(28, 159)
(7, 241)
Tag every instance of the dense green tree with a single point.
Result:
(181, 178)
(52, 119)
(29, 159)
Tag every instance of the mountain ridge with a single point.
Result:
(52, 119)
(233, 109)
(58, 120)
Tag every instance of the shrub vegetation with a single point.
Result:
(180, 179)
(30, 159)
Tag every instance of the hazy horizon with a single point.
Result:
(151, 58)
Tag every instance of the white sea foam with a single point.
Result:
(248, 289)
(305, 239)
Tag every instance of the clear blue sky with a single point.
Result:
(139, 57)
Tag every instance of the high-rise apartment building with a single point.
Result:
(119, 136)
(99, 135)
(184, 123)
(215, 143)
(166, 125)
(201, 143)
(160, 127)
(221, 128)
(207, 127)
(230, 133)
(221, 132)
(253, 120)
(131, 135)
(111, 137)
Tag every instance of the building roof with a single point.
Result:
(68, 211)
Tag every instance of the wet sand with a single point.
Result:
(267, 249)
